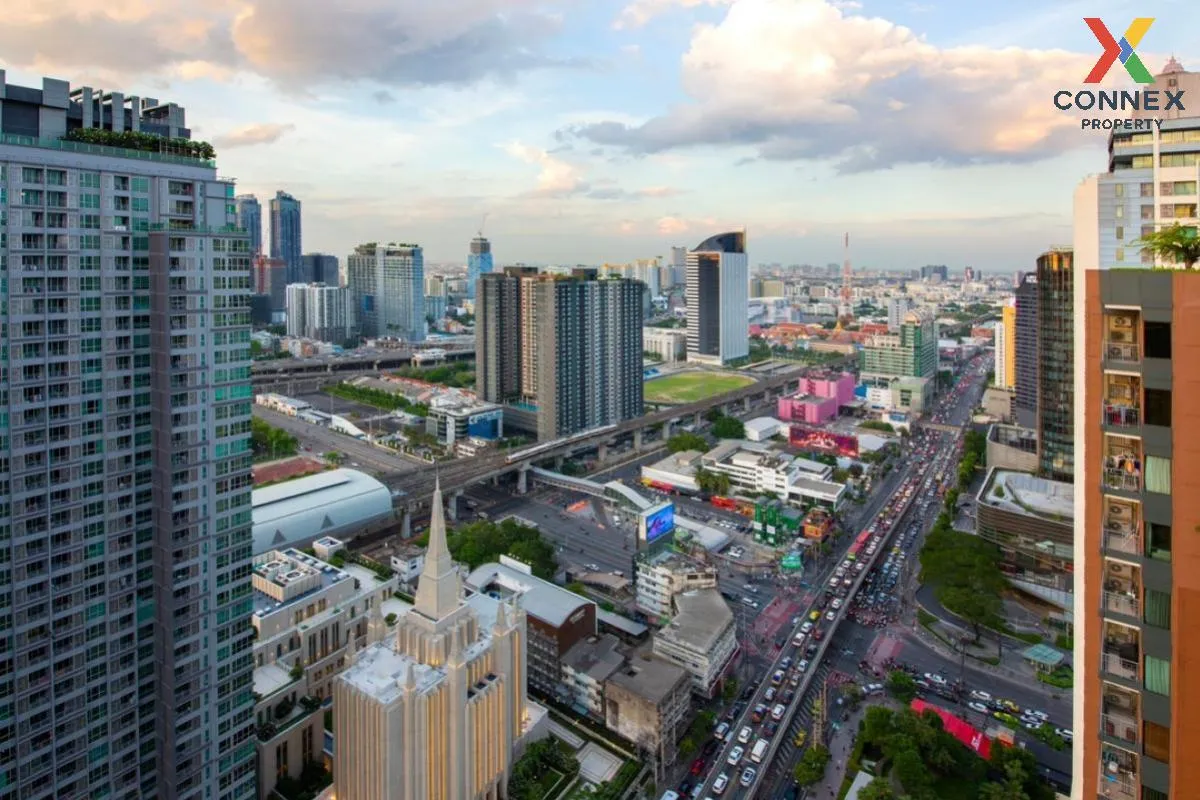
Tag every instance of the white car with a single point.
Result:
(744, 736)
(829, 615)
(980, 707)
(836, 604)
(735, 756)
(1042, 715)
(802, 666)
(983, 697)
(720, 783)
(1065, 734)
(806, 627)
(935, 678)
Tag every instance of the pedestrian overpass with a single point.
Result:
(613, 491)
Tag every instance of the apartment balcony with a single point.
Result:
(1121, 653)
(1119, 778)
(1122, 343)
(1122, 416)
(1122, 463)
(1122, 589)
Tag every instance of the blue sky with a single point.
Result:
(606, 130)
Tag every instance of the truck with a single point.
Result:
(759, 751)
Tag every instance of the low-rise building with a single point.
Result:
(664, 574)
(1031, 519)
(669, 344)
(1012, 447)
(307, 615)
(339, 502)
(678, 471)
(407, 562)
(455, 417)
(808, 408)
(701, 638)
(585, 669)
(556, 619)
(647, 702)
(763, 428)
(758, 468)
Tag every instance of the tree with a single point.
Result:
(729, 691)
(687, 441)
(712, 482)
(902, 685)
(1177, 244)
(812, 765)
(713, 414)
(909, 768)
(855, 470)
(878, 789)
(483, 541)
(729, 428)
(269, 442)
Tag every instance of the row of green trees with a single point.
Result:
(269, 443)
(965, 573)
(482, 542)
(536, 770)
(454, 374)
(379, 398)
(930, 764)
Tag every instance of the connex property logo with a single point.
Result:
(1120, 100)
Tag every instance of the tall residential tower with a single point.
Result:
(479, 263)
(126, 670)
(1137, 468)
(718, 287)
(285, 233)
(386, 284)
(1056, 384)
(249, 217)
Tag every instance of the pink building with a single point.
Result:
(808, 409)
(839, 386)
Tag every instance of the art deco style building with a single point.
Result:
(1137, 468)
(718, 287)
(436, 712)
(126, 665)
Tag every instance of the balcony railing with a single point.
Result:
(1128, 352)
(1122, 603)
(1122, 480)
(1120, 726)
(1122, 538)
(1119, 778)
(1122, 416)
(1114, 664)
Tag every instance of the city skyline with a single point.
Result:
(582, 158)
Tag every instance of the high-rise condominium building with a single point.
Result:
(1137, 476)
(479, 263)
(126, 670)
(285, 233)
(1005, 345)
(436, 710)
(911, 352)
(585, 370)
(897, 308)
(319, 268)
(387, 290)
(270, 279)
(1025, 355)
(317, 311)
(249, 217)
(679, 266)
(718, 284)
(1056, 382)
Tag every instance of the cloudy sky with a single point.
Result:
(594, 130)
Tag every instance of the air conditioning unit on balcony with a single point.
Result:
(1117, 510)
(1115, 569)
(1122, 322)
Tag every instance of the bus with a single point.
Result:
(727, 503)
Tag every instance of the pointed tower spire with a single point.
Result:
(438, 588)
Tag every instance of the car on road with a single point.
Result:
(934, 678)
(830, 615)
(802, 666)
(778, 711)
(806, 627)
(980, 707)
(592, 567)
(777, 677)
(750, 601)
(735, 756)
(748, 776)
(1033, 712)
(814, 615)
(697, 766)
(1065, 734)
(720, 783)
(744, 737)
(721, 732)
(1008, 705)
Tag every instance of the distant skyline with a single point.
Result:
(610, 130)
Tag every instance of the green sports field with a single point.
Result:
(688, 387)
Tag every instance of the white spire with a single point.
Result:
(438, 588)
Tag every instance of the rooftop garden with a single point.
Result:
(144, 142)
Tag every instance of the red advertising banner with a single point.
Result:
(960, 729)
(838, 444)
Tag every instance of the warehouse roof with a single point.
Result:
(326, 504)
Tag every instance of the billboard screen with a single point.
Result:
(838, 444)
(657, 522)
(486, 425)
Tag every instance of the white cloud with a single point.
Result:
(639, 12)
(249, 135)
(556, 178)
(751, 84)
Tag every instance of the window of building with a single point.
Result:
(1147, 189)
(1158, 609)
(1158, 741)
(1158, 474)
(1120, 234)
(1158, 541)
(1158, 676)
(1158, 339)
(1147, 792)
(1120, 255)
(1158, 407)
